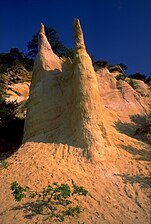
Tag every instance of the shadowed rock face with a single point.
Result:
(64, 103)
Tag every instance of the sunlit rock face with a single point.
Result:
(71, 104)
(86, 120)
(118, 96)
(64, 103)
(81, 127)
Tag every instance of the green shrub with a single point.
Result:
(128, 80)
(3, 164)
(131, 83)
(54, 201)
(120, 77)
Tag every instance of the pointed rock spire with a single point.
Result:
(42, 39)
(86, 117)
(46, 57)
(78, 35)
(42, 28)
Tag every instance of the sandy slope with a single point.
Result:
(118, 181)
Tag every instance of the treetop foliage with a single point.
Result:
(140, 76)
(12, 58)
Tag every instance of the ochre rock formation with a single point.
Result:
(81, 126)
(18, 92)
(65, 98)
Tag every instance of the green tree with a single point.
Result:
(57, 46)
(14, 57)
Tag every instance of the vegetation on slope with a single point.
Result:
(55, 202)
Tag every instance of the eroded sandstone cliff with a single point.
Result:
(65, 98)
(81, 127)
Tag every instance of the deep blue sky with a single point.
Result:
(116, 30)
